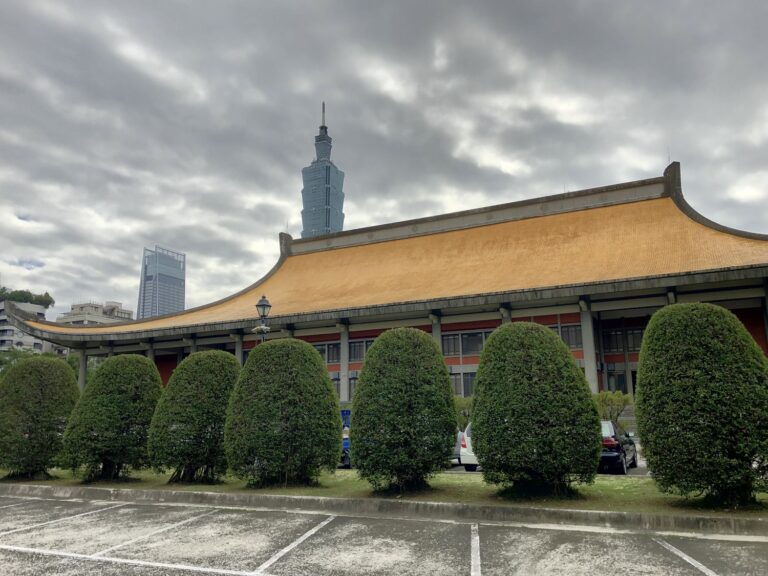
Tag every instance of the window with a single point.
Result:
(471, 343)
(352, 383)
(571, 335)
(451, 345)
(457, 384)
(469, 382)
(329, 352)
(612, 341)
(634, 339)
(616, 380)
(358, 349)
(333, 355)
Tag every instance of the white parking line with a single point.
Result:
(153, 533)
(260, 570)
(475, 571)
(509, 524)
(693, 562)
(11, 505)
(128, 561)
(65, 518)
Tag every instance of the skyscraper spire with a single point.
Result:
(323, 142)
(322, 195)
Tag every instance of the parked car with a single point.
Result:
(619, 450)
(457, 447)
(466, 455)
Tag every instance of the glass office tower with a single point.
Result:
(161, 290)
(322, 195)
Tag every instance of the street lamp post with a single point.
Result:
(263, 307)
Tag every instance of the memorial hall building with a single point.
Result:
(592, 265)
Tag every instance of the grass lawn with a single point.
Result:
(613, 493)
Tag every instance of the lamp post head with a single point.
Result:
(263, 307)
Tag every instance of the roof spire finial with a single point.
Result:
(323, 124)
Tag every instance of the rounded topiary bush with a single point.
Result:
(283, 422)
(534, 424)
(187, 430)
(108, 428)
(702, 403)
(37, 396)
(403, 426)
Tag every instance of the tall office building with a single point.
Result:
(161, 290)
(322, 195)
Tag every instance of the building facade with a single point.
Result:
(592, 265)
(14, 337)
(322, 196)
(87, 313)
(163, 282)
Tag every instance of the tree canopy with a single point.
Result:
(26, 296)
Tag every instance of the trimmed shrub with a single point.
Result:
(403, 425)
(702, 403)
(37, 396)
(108, 428)
(187, 430)
(534, 424)
(283, 423)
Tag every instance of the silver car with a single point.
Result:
(466, 455)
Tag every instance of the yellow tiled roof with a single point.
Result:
(634, 240)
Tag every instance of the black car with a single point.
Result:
(619, 451)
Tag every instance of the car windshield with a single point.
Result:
(607, 428)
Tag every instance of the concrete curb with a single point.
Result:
(401, 508)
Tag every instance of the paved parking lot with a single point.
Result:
(76, 537)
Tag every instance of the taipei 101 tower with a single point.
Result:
(322, 196)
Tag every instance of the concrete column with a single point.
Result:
(627, 369)
(437, 330)
(344, 362)
(192, 343)
(588, 342)
(238, 338)
(83, 369)
(601, 351)
(506, 315)
(671, 296)
(111, 352)
(151, 351)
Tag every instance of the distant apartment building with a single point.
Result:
(11, 337)
(95, 313)
(162, 285)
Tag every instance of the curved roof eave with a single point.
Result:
(674, 188)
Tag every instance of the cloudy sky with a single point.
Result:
(186, 124)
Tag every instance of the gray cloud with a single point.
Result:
(123, 125)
